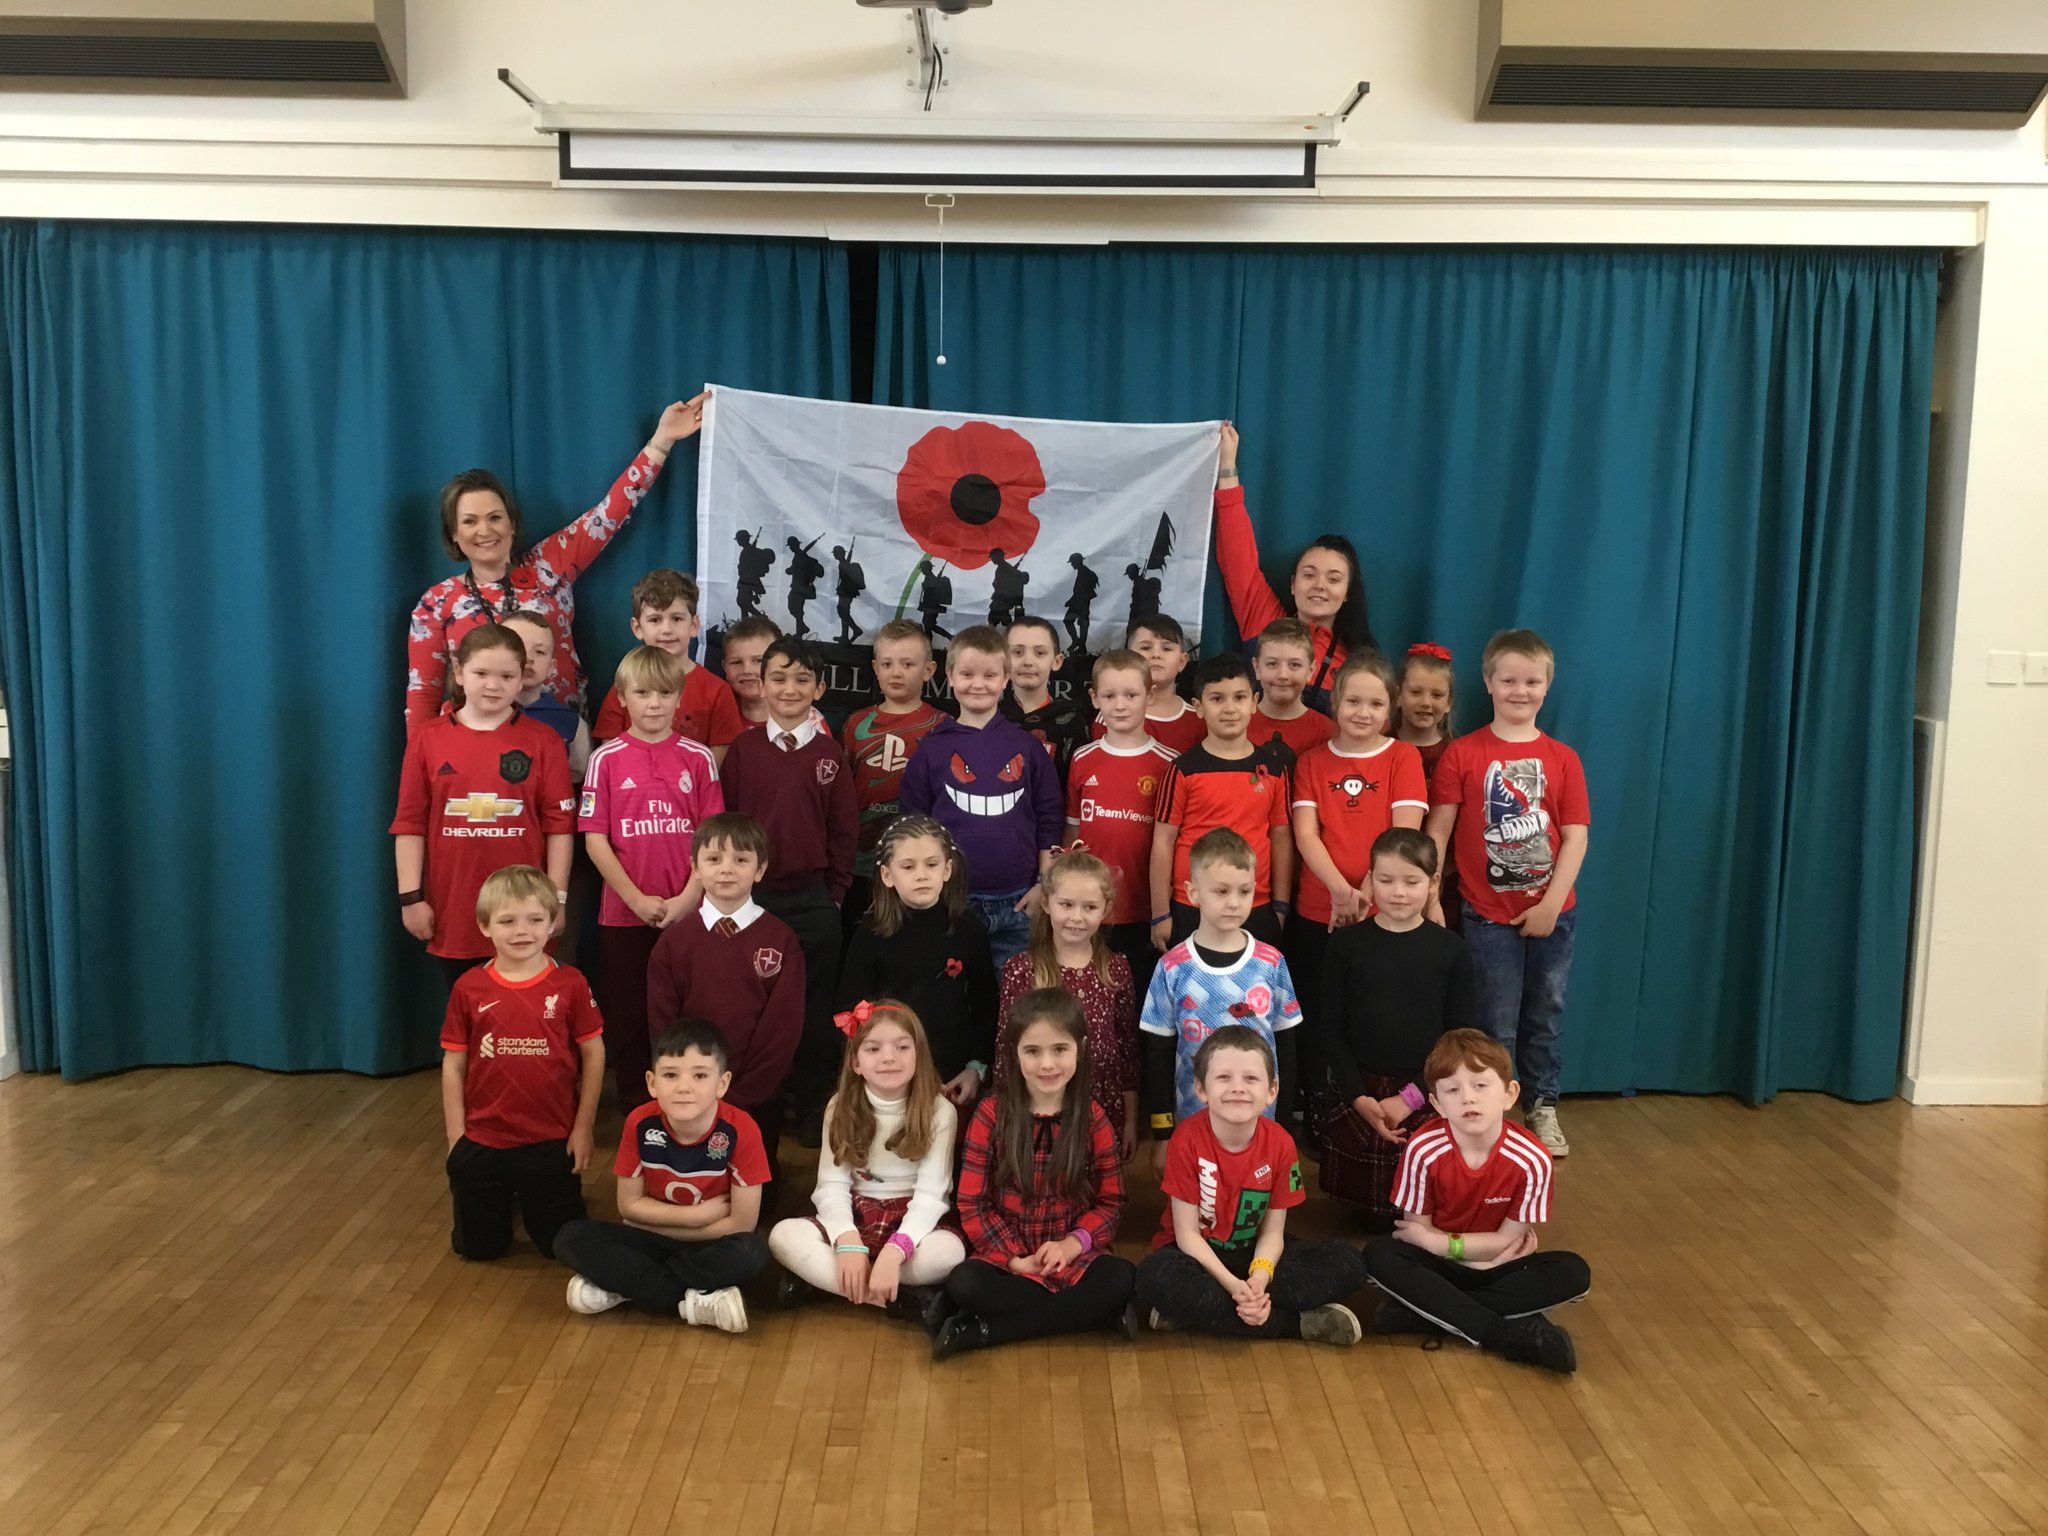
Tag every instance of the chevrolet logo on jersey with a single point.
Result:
(484, 807)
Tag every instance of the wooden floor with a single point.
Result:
(227, 1304)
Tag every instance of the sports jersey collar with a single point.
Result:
(519, 986)
(1492, 1153)
(1231, 969)
(1337, 751)
(744, 917)
(1185, 709)
(1104, 746)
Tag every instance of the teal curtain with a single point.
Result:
(1701, 474)
(220, 450)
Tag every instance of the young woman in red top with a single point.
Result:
(480, 524)
(1327, 592)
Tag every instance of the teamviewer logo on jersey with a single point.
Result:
(483, 807)
(1087, 811)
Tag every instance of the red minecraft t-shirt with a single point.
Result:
(1230, 1191)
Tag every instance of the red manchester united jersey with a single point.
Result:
(522, 1039)
(1512, 1184)
(482, 800)
(1111, 793)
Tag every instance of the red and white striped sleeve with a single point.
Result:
(1411, 1178)
(1532, 1159)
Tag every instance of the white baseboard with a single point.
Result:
(10, 1063)
(1973, 1090)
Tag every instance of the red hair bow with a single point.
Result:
(1076, 846)
(851, 1021)
(1430, 649)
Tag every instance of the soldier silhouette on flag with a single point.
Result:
(1006, 597)
(803, 571)
(1079, 601)
(756, 561)
(934, 596)
(851, 582)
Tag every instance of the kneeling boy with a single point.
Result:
(522, 1060)
(690, 1170)
(1222, 1261)
(1472, 1188)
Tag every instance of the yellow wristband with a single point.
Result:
(1162, 1122)
(1265, 1264)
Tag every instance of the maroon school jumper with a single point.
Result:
(803, 799)
(750, 983)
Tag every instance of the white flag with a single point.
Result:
(832, 519)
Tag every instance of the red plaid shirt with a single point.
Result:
(1005, 1224)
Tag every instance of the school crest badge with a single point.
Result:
(767, 963)
(828, 769)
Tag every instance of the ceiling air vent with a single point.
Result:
(284, 47)
(1966, 63)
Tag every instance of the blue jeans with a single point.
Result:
(1521, 986)
(1009, 931)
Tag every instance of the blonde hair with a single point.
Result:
(903, 629)
(1286, 632)
(645, 666)
(1517, 642)
(983, 639)
(1082, 865)
(515, 882)
(1122, 659)
(1366, 664)
(1220, 845)
(850, 1118)
(886, 910)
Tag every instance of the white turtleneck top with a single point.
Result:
(928, 1182)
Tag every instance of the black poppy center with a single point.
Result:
(976, 499)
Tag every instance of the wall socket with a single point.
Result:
(2036, 669)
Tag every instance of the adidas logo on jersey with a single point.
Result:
(1091, 782)
(447, 768)
(627, 783)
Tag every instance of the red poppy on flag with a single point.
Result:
(964, 492)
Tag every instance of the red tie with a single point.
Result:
(725, 927)
(789, 741)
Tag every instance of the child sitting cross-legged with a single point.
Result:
(1473, 1187)
(881, 1236)
(690, 1170)
(1041, 1188)
(1222, 1261)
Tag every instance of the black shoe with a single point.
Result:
(1538, 1341)
(958, 1334)
(1126, 1323)
(919, 1304)
(1391, 1317)
(809, 1130)
(792, 1292)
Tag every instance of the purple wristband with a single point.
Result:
(1080, 1235)
(1412, 1096)
(903, 1245)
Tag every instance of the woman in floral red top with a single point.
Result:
(480, 523)
(1068, 950)
(1041, 1187)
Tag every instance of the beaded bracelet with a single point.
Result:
(1265, 1264)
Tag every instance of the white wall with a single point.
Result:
(1415, 168)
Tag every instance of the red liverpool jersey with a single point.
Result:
(1111, 792)
(523, 1042)
(482, 800)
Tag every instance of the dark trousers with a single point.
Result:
(1470, 1302)
(1307, 1275)
(1305, 943)
(810, 912)
(622, 955)
(1263, 923)
(1134, 942)
(652, 1271)
(487, 1182)
(1016, 1307)
(453, 970)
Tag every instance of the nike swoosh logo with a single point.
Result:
(487, 1007)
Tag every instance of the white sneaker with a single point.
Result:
(715, 1309)
(589, 1299)
(1544, 1127)
(1331, 1324)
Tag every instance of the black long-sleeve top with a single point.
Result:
(946, 978)
(1388, 997)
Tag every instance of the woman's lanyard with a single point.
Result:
(491, 614)
(1316, 693)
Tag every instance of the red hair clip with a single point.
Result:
(1430, 649)
(851, 1021)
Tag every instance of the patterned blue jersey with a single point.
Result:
(1190, 1000)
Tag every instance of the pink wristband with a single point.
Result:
(1080, 1235)
(1412, 1096)
(903, 1245)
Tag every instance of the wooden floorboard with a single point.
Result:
(227, 1306)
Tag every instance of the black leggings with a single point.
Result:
(1307, 1275)
(652, 1271)
(1472, 1302)
(1018, 1307)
